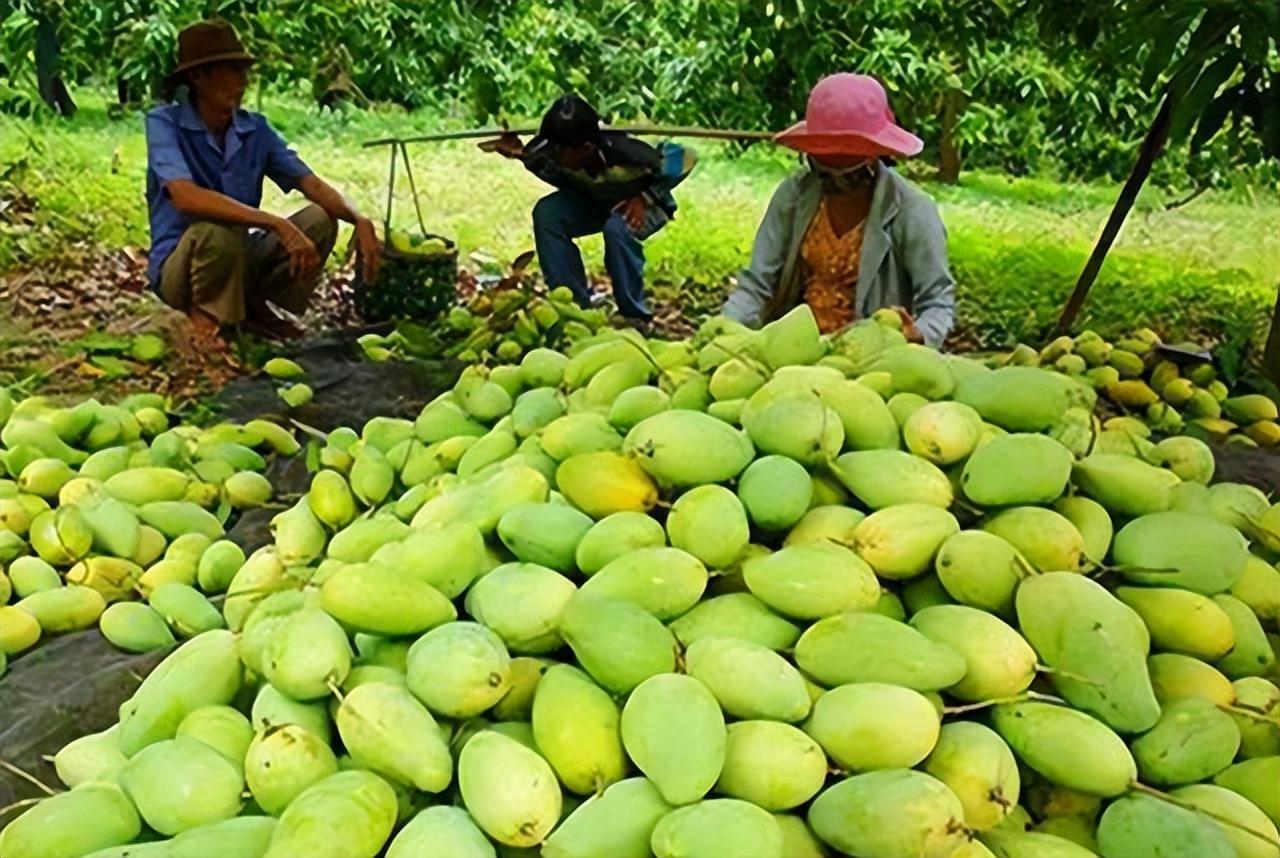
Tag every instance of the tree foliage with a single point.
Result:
(1021, 85)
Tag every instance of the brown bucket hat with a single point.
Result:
(209, 42)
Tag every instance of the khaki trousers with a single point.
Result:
(229, 272)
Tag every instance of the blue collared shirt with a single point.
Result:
(179, 146)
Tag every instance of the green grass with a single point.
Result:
(1016, 245)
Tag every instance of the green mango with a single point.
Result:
(272, 711)
(1180, 549)
(774, 766)
(29, 575)
(1259, 737)
(449, 558)
(94, 817)
(901, 542)
(1255, 780)
(748, 680)
(307, 655)
(175, 518)
(446, 831)
(999, 661)
(1251, 831)
(616, 536)
(493, 447)
(873, 725)
(575, 725)
(181, 783)
(331, 500)
(799, 841)
(884, 478)
(1069, 748)
(1096, 645)
(710, 523)
(484, 499)
(1017, 470)
(980, 769)
(735, 615)
(1017, 398)
(1048, 541)
(218, 566)
(924, 591)
(135, 628)
(542, 367)
(459, 669)
(1181, 621)
(735, 379)
(1092, 521)
(222, 728)
(579, 433)
(347, 815)
(812, 580)
(1125, 485)
(1259, 588)
(666, 582)
(266, 620)
(890, 814)
(185, 610)
(674, 732)
(619, 643)
(546, 534)
(792, 422)
(1178, 677)
(1251, 654)
(722, 826)
(1142, 825)
(617, 822)
(522, 603)
(867, 647)
(868, 422)
(66, 609)
(362, 539)
(1192, 741)
(93, 757)
(834, 523)
(389, 732)
(509, 790)
(684, 449)
(604, 483)
(1012, 844)
(384, 600)
(635, 405)
(776, 492)
(943, 432)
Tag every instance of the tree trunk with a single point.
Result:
(1152, 146)
(48, 57)
(948, 151)
(1271, 357)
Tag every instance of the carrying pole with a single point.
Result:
(638, 130)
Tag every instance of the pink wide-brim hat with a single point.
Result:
(848, 114)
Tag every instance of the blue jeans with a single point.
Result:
(561, 217)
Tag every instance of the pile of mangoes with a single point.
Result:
(1168, 397)
(109, 516)
(499, 325)
(761, 594)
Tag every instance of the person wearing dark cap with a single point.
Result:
(607, 182)
(849, 236)
(215, 254)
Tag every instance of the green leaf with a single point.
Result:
(1193, 105)
(1214, 116)
(100, 342)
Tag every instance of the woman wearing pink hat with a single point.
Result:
(849, 236)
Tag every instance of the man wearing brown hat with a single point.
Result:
(215, 253)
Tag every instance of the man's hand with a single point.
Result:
(368, 249)
(508, 146)
(633, 212)
(909, 329)
(304, 260)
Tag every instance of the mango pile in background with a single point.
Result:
(496, 325)
(758, 594)
(1166, 397)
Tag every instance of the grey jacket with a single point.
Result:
(904, 256)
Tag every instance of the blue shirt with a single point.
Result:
(179, 146)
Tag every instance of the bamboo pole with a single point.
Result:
(639, 130)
